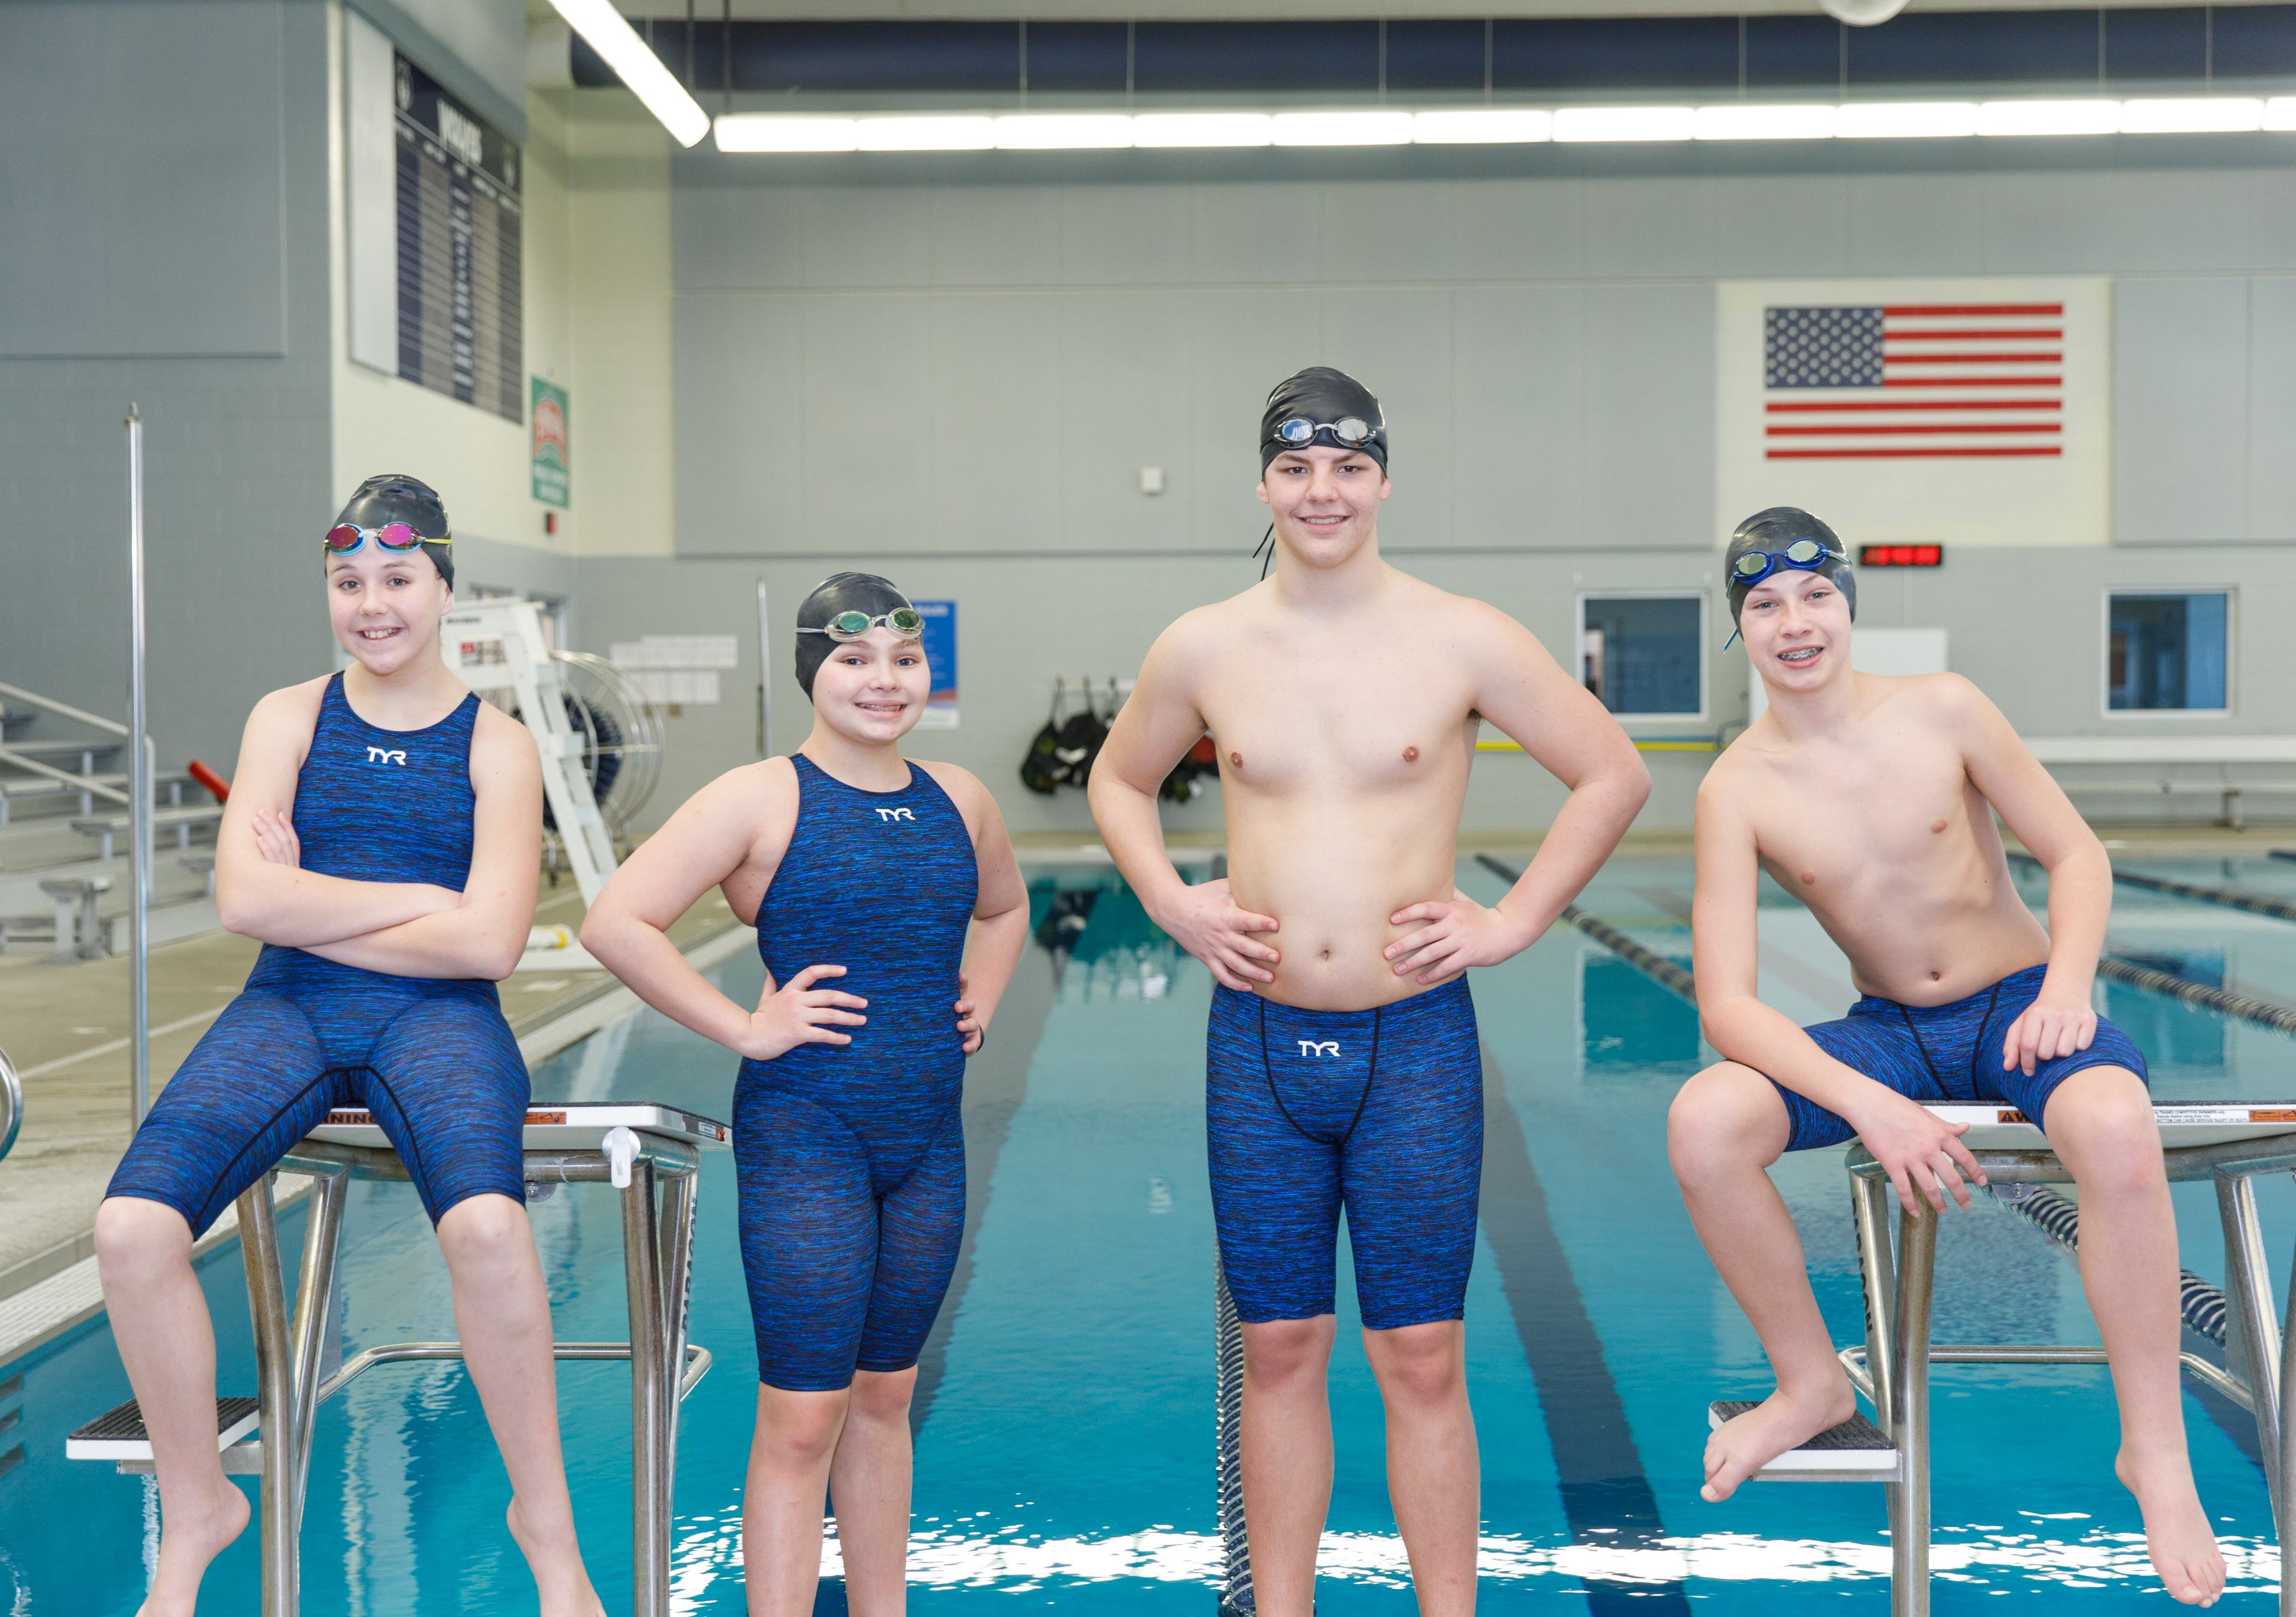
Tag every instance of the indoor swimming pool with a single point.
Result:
(1065, 1410)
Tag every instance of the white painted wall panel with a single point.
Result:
(2272, 408)
(2180, 410)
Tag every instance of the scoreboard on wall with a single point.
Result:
(435, 231)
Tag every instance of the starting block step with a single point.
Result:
(1995, 1127)
(556, 1126)
(118, 1434)
(1854, 1451)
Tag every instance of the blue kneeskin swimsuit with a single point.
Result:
(851, 1157)
(1379, 1110)
(432, 1058)
(1945, 1054)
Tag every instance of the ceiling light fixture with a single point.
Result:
(1059, 132)
(1906, 120)
(602, 28)
(1624, 123)
(1765, 123)
(1486, 125)
(772, 132)
(1343, 128)
(2212, 115)
(1204, 129)
(2049, 117)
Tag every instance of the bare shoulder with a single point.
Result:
(292, 707)
(1477, 621)
(502, 737)
(965, 790)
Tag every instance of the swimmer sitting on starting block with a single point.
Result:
(1343, 698)
(383, 839)
(863, 872)
(1872, 799)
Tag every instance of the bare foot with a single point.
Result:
(193, 1533)
(555, 1559)
(1744, 1444)
(2176, 1532)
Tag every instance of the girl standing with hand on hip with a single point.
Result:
(864, 872)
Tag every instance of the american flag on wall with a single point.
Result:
(1958, 411)
(1913, 380)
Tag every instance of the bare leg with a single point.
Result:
(869, 1484)
(1726, 1127)
(159, 1321)
(2100, 1121)
(502, 1313)
(790, 1456)
(1286, 1442)
(1434, 1473)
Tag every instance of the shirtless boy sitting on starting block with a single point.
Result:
(1873, 798)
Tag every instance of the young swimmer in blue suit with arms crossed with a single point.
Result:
(383, 840)
(1872, 799)
(1344, 1069)
(863, 871)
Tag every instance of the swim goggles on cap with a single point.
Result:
(906, 621)
(345, 537)
(1805, 555)
(1297, 433)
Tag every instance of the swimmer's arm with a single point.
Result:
(1000, 911)
(744, 817)
(2061, 1018)
(1921, 1155)
(485, 933)
(282, 903)
(1525, 693)
(1158, 722)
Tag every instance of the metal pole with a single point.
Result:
(276, 1503)
(1909, 1426)
(650, 1491)
(765, 677)
(139, 791)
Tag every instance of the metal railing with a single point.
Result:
(11, 1104)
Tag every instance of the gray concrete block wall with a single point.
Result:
(237, 448)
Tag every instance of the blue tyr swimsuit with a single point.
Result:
(432, 1057)
(851, 1157)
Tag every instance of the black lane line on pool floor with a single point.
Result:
(996, 1083)
(1606, 1496)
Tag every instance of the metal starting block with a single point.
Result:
(1856, 1451)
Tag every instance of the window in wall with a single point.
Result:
(2166, 650)
(1644, 654)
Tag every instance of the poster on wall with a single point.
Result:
(941, 661)
(552, 464)
(1903, 411)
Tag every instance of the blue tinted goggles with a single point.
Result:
(1804, 555)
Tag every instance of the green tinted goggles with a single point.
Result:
(906, 621)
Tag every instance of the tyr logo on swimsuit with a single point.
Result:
(1319, 1047)
(383, 755)
(896, 814)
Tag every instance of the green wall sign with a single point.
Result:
(552, 469)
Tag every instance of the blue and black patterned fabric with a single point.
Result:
(1380, 1112)
(851, 1157)
(1942, 1055)
(433, 1058)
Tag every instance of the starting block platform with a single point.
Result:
(651, 1154)
(2229, 1143)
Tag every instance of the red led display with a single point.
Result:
(1900, 556)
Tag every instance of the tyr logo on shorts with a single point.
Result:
(888, 815)
(383, 755)
(1319, 1047)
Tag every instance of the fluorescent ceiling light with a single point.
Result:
(1624, 123)
(601, 27)
(1057, 132)
(2280, 112)
(1901, 120)
(1342, 128)
(2049, 117)
(2214, 115)
(1480, 128)
(1204, 129)
(1765, 123)
(771, 132)
(926, 134)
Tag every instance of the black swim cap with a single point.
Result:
(1773, 530)
(1324, 396)
(393, 497)
(841, 592)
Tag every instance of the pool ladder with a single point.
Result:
(1892, 1366)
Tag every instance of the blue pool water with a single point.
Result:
(1064, 1455)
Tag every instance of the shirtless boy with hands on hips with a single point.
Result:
(1343, 697)
(1872, 799)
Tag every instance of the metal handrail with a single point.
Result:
(12, 1103)
(76, 714)
(82, 782)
